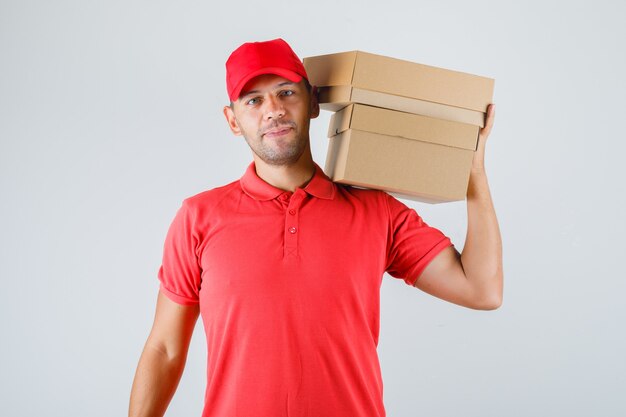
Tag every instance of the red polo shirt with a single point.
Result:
(289, 288)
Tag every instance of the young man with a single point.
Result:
(285, 266)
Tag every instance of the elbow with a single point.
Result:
(490, 298)
(491, 303)
(484, 301)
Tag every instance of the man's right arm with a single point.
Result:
(163, 359)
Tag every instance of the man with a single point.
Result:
(285, 266)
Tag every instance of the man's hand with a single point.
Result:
(479, 156)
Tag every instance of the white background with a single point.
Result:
(111, 114)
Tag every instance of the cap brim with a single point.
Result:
(290, 75)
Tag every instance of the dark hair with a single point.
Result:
(307, 84)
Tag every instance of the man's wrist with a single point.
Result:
(477, 168)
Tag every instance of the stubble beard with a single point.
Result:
(284, 151)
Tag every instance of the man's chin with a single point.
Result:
(281, 160)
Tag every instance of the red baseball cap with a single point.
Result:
(256, 58)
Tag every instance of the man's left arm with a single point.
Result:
(473, 278)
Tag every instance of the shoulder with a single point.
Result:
(208, 200)
(373, 201)
(368, 195)
(379, 203)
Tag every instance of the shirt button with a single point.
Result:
(292, 230)
(292, 212)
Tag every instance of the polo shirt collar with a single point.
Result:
(320, 185)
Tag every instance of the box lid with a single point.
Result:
(406, 125)
(338, 97)
(399, 77)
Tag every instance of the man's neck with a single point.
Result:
(287, 177)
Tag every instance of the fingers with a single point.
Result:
(491, 113)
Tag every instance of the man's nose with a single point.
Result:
(274, 108)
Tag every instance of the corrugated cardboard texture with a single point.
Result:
(406, 125)
(417, 170)
(336, 98)
(402, 78)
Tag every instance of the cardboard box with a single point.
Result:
(408, 155)
(336, 98)
(361, 77)
(405, 125)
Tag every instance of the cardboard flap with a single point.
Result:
(404, 125)
(401, 78)
(410, 79)
(340, 121)
(340, 95)
(336, 98)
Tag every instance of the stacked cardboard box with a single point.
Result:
(402, 127)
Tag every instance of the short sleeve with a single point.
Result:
(412, 243)
(180, 271)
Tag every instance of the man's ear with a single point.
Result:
(315, 105)
(232, 122)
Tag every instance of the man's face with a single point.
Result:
(273, 115)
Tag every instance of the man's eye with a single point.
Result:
(252, 101)
(287, 92)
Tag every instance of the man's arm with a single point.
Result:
(474, 278)
(163, 359)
